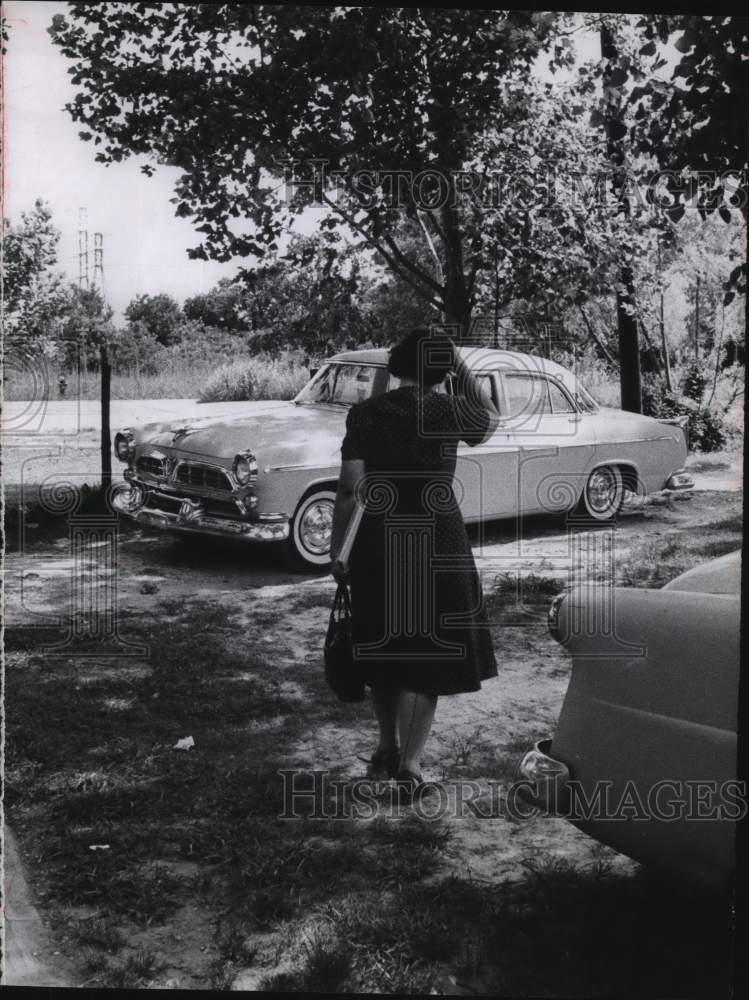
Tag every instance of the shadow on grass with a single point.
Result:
(558, 931)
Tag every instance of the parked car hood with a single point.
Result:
(268, 428)
(719, 576)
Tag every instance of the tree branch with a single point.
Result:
(595, 338)
(392, 262)
(651, 345)
(409, 265)
(430, 244)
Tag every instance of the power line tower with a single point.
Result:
(82, 248)
(98, 279)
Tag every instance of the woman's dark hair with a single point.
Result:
(422, 355)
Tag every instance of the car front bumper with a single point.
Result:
(543, 780)
(679, 480)
(133, 501)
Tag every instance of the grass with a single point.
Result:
(253, 377)
(560, 930)
(177, 381)
(655, 562)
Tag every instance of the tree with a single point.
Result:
(159, 315)
(86, 324)
(32, 291)
(698, 130)
(222, 307)
(390, 100)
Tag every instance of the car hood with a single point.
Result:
(269, 429)
(719, 576)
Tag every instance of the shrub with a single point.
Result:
(694, 383)
(707, 430)
(258, 377)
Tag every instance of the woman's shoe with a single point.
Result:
(409, 785)
(384, 763)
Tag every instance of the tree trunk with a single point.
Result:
(697, 321)
(662, 325)
(457, 301)
(629, 349)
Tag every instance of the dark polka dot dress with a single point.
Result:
(418, 617)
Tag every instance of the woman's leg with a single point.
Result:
(385, 702)
(415, 716)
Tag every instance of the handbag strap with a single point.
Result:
(341, 602)
(351, 529)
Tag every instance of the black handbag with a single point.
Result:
(341, 671)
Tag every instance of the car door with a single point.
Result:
(486, 474)
(555, 440)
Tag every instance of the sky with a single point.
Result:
(144, 242)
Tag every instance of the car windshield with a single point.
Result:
(343, 384)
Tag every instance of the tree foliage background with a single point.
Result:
(452, 181)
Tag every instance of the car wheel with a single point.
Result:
(603, 494)
(308, 544)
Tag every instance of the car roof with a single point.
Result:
(478, 358)
(718, 576)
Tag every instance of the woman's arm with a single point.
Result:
(345, 501)
(466, 384)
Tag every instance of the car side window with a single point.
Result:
(526, 394)
(560, 401)
(447, 387)
(485, 380)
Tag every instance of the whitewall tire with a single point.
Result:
(308, 544)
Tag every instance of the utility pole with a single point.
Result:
(105, 369)
(98, 279)
(82, 249)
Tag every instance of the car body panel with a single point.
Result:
(653, 698)
(719, 576)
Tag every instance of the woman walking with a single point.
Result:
(418, 622)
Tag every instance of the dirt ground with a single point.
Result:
(475, 736)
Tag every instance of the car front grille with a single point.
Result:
(202, 476)
(150, 466)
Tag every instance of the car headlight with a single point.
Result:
(124, 445)
(245, 468)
